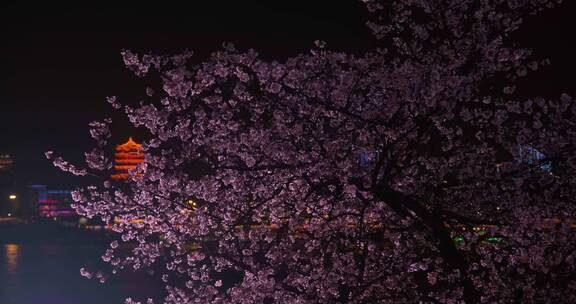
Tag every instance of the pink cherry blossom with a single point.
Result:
(396, 176)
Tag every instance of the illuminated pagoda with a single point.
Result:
(127, 157)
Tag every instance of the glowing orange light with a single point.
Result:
(136, 220)
(12, 252)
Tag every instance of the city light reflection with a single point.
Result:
(12, 257)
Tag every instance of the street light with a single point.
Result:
(12, 197)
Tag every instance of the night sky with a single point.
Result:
(59, 63)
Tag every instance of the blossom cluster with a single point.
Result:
(339, 178)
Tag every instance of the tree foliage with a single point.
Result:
(335, 177)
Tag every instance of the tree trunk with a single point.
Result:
(402, 204)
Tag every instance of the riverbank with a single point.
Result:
(47, 231)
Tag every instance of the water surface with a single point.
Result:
(40, 264)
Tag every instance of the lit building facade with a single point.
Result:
(52, 203)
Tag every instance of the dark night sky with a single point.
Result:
(59, 63)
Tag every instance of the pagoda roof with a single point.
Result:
(129, 146)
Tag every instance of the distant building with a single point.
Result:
(6, 162)
(127, 157)
(52, 203)
(368, 159)
(532, 156)
(9, 196)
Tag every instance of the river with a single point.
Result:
(40, 264)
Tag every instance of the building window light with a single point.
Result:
(530, 155)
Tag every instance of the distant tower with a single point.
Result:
(126, 158)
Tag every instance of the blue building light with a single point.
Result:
(368, 158)
(530, 155)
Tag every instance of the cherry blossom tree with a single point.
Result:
(339, 178)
